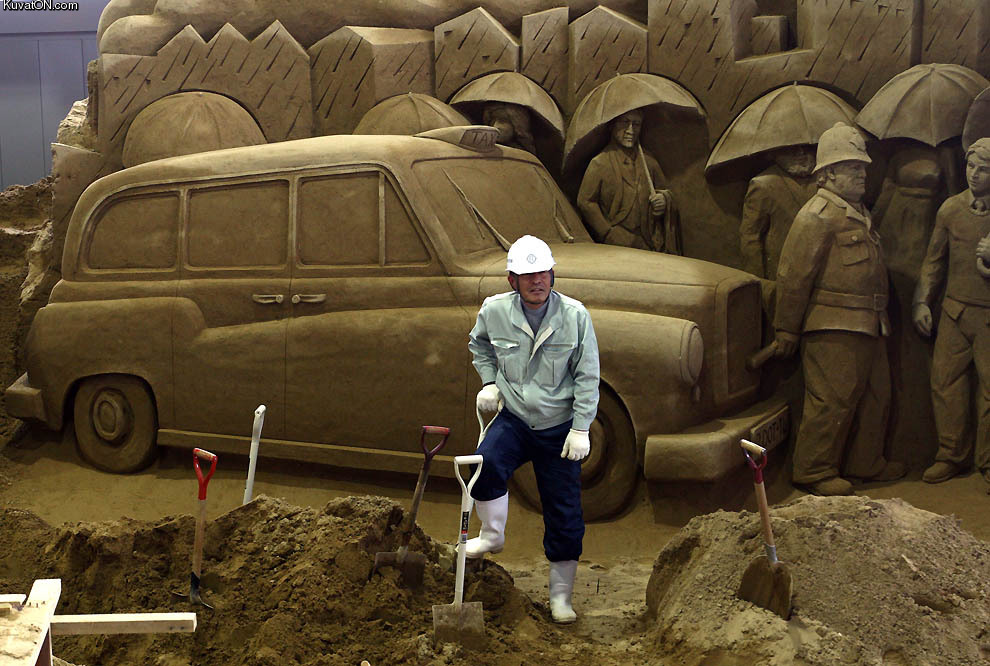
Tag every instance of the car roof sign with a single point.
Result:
(479, 138)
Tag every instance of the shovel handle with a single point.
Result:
(204, 480)
(761, 495)
(433, 430)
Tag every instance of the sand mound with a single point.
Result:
(875, 582)
(290, 586)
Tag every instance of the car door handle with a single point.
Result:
(267, 299)
(308, 298)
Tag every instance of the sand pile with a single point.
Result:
(875, 582)
(290, 586)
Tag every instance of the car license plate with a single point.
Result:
(772, 431)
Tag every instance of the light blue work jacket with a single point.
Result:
(545, 379)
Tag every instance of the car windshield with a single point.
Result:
(489, 203)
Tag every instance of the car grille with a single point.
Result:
(738, 315)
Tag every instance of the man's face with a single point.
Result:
(625, 129)
(978, 175)
(534, 288)
(848, 180)
(796, 161)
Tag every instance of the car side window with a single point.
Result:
(137, 232)
(238, 225)
(355, 219)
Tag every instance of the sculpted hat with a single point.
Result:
(980, 148)
(529, 255)
(841, 143)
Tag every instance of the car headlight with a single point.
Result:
(692, 353)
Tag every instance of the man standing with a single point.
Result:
(832, 298)
(536, 353)
(960, 248)
(619, 198)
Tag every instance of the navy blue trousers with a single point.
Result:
(510, 443)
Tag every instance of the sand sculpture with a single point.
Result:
(832, 296)
(957, 259)
(622, 196)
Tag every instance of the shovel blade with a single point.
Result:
(460, 623)
(767, 586)
(410, 566)
(194, 596)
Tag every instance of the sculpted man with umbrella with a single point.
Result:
(623, 195)
(783, 125)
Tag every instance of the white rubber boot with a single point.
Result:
(493, 514)
(561, 587)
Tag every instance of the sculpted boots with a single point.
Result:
(561, 587)
(492, 537)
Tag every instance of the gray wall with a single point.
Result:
(43, 57)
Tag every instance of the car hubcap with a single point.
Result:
(111, 416)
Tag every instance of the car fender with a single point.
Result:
(81, 339)
(667, 350)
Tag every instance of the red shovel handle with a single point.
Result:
(204, 480)
(748, 448)
(433, 430)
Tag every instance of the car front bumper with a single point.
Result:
(709, 451)
(24, 401)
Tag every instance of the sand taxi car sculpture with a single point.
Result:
(335, 280)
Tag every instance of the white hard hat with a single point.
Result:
(529, 255)
(841, 143)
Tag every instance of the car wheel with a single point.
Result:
(608, 474)
(115, 423)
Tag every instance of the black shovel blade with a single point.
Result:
(767, 586)
(194, 595)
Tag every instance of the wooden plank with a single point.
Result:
(123, 623)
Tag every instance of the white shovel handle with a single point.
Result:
(466, 503)
(259, 422)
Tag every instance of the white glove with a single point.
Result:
(577, 446)
(487, 400)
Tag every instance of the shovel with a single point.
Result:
(461, 622)
(259, 422)
(197, 560)
(411, 565)
(766, 581)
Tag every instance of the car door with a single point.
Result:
(377, 342)
(231, 315)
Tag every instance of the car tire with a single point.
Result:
(115, 423)
(610, 472)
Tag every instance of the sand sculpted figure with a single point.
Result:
(958, 258)
(621, 195)
(537, 355)
(772, 200)
(832, 298)
(513, 124)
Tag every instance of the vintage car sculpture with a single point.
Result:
(335, 280)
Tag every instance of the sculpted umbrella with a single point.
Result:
(620, 94)
(514, 88)
(188, 122)
(978, 121)
(410, 113)
(788, 116)
(927, 103)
